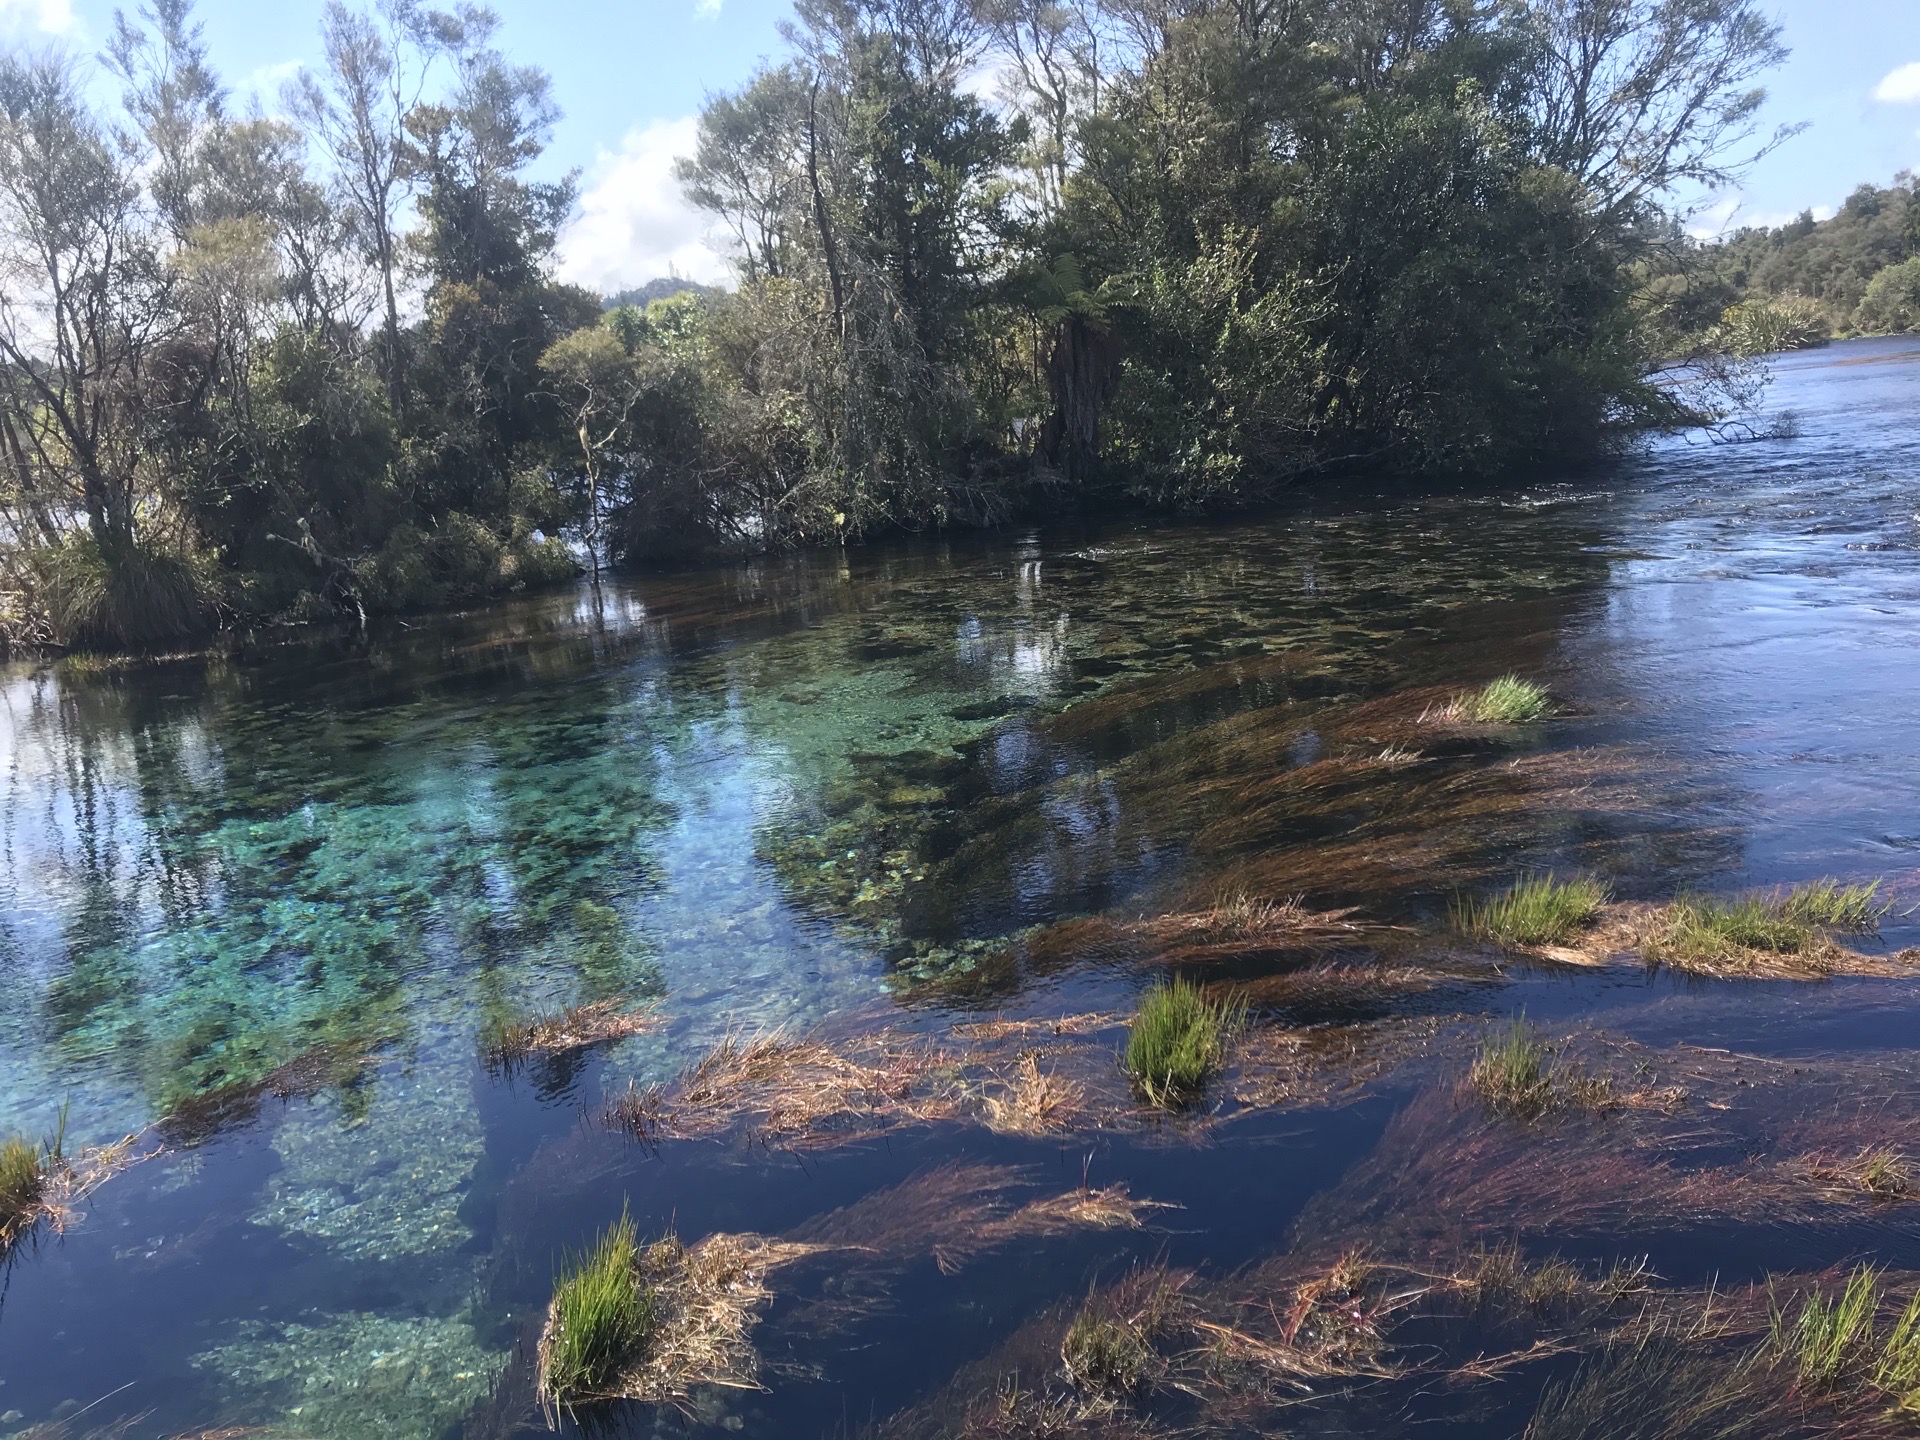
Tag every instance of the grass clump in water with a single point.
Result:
(1898, 1369)
(1703, 930)
(1829, 905)
(1104, 1355)
(1830, 1336)
(1509, 700)
(1538, 910)
(602, 1314)
(1179, 1039)
(1513, 1073)
(23, 1179)
(1700, 927)
(1884, 1175)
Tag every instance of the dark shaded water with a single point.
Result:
(814, 786)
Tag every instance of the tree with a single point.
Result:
(1635, 97)
(377, 69)
(746, 167)
(598, 383)
(86, 319)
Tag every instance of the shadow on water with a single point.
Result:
(974, 797)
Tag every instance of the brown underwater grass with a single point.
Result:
(505, 1045)
(198, 1118)
(791, 1091)
(1033, 1101)
(706, 1298)
(807, 1092)
(1164, 1351)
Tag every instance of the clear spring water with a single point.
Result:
(773, 793)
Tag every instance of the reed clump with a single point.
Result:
(1513, 1073)
(1104, 1355)
(1830, 1336)
(1179, 1039)
(1897, 1370)
(1833, 1344)
(1885, 1176)
(1704, 931)
(1537, 910)
(1510, 700)
(23, 1180)
(652, 1322)
(1829, 905)
(601, 1315)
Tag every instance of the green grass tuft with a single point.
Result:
(1884, 1175)
(1702, 928)
(1538, 910)
(1898, 1369)
(602, 1315)
(1104, 1355)
(1792, 922)
(1513, 1072)
(1829, 905)
(1506, 701)
(1830, 1335)
(23, 1177)
(1179, 1039)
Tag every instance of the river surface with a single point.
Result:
(830, 785)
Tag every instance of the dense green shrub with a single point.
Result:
(1892, 301)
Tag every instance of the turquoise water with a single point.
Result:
(774, 794)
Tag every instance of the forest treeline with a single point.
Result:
(1789, 286)
(992, 256)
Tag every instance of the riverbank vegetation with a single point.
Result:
(273, 369)
(1791, 286)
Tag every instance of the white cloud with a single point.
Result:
(51, 17)
(266, 83)
(1901, 87)
(634, 224)
(1730, 214)
(706, 9)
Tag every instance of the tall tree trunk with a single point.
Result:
(1083, 371)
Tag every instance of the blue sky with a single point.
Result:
(631, 74)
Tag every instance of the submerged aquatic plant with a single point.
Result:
(1509, 700)
(601, 1315)
(1179, 1039)
(1538, 910)
(507, 1043)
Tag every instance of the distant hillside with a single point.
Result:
(657, 290)
(1861, 268)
